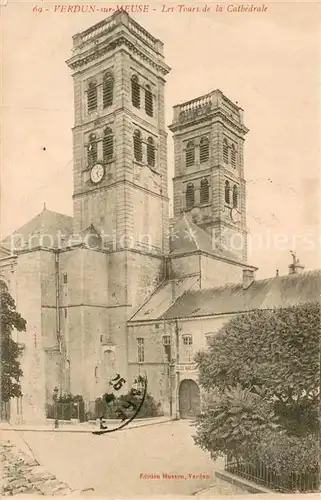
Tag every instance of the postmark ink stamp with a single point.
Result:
(128, 406)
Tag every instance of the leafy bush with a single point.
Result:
(276, 351)
(230, 421)
(68, 407)
(287, 454)
(150, 407)
(261, 379)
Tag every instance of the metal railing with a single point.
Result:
(66, 411)
(258, 473)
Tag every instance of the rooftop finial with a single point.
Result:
(44, 206)
(277, 272)
(296, 266)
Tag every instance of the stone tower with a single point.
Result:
(120, 185)
(120, 166)
(209, 179)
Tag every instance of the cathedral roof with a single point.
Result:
(187, 237)
(45, 229)
(279, 291)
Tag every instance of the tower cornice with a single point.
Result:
(120, 39)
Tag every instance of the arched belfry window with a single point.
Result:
(108, 90)
(204, 191)
(225, 151)
(92, 150)
(190, 195)
(92, 97)
(150, 152)
(204, 149)
(138, 147)
(190, 154)
(227, 192)
(233, 156)
(235, 196)
(135, 91)
(108, 144)
(149, 105)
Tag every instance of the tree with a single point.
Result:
(274, 353)
(11, 372)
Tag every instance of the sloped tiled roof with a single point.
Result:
(187, 237)
(281, 291)
(44, 229)
(163, 298)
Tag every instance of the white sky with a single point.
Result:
(268, 62)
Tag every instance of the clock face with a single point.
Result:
(97, 173)
(235, 216)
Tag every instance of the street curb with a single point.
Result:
(81, 431)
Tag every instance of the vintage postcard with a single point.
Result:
(160, 241)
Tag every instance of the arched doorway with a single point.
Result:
(189, 399)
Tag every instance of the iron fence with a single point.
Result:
(258, 473)
(5, 410)
(66, 411)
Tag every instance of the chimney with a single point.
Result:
(248, 278)
(296, 266)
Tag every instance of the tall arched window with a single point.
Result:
(235, 196)
(204, 191)
(138, 148)
(92, 150)
(227, 192)
(150, 152)
(108, 144)
(204, 149)
(108, 90)
(149, 105)
(233, 156)
(135, 91)
(190, 154)
(190, 195)
(92, 97)
(225, 151)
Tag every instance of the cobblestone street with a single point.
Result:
(23, 474)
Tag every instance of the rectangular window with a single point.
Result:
(65, 275)
(167, 346)
(140, 350)
(188, 347)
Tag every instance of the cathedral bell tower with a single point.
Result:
(209, 182)
(120, 188)
(119, 138)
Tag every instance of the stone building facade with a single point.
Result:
(118, 287)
